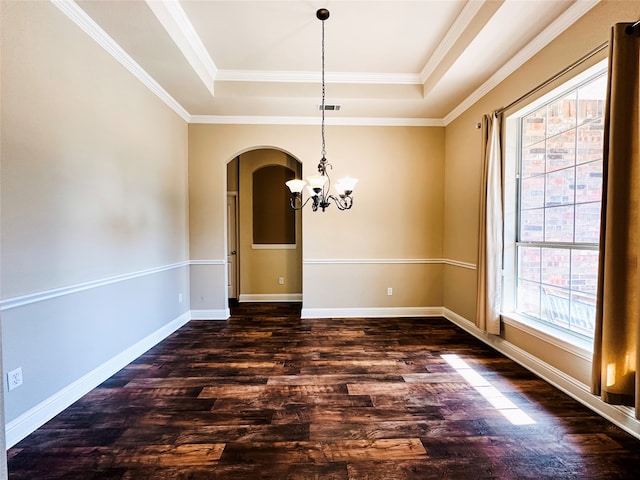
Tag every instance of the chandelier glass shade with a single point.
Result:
(319, 186)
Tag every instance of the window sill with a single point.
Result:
(273, 246)
(574, 344)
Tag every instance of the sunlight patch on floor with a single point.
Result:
(501, 403)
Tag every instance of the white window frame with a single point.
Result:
(565, 339)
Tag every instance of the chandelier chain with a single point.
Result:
(319, 186)
(324, 153)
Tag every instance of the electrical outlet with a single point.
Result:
(389, 291)
(281, 280)
(179, 298)
(14, 378)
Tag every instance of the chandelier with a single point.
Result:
(318, 186)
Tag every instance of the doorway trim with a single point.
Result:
(256, 297)
(233, 259)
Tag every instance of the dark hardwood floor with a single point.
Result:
(271, 396)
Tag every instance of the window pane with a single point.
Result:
(560, 188)
(591, 101)
(555, 306)
(588, 222)
(561, 151)
(561, 115)
(558, 225)
(531, 225)
(589, 146)
(532, 192)
(583, 313)
(589, 182)
(556, 266)
(584, 271)
(529, 298)
(533, 159)
(529, 263)
(534, 127)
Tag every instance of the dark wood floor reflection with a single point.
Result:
(271, 396)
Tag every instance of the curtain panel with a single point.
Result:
(617, 334)
(3, 446)
(490, 241)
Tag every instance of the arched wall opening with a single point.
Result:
(264, 235)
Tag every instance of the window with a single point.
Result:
(558, 186)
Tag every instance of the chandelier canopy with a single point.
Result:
(318, 186)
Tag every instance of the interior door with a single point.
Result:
(232, 245)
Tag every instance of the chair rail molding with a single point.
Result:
(23, 300)
(388, 261)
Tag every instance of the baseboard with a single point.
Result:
(219, 314)
(270, 297)
(37, 416)
(379, 312)
(623, 417)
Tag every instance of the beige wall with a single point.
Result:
(94, 221)
(393, 218)
(87, 193)
(462, 171)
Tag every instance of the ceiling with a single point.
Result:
(413, 62)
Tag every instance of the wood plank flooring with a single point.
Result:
(267, 395)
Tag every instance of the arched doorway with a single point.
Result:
(264, 235)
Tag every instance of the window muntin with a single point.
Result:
(559, 191)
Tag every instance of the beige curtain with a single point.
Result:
(490, 229)
(617, 333)
(3, 449)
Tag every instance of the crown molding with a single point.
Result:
(315, 77)
(564, 21)
(448, 41)
(91, 28)
(175, 21)
(182, 31)
(252, 120)
(345, 121)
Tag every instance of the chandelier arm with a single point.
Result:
(341, 206)
(342, 203)
(292, 201)
(326, 193)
